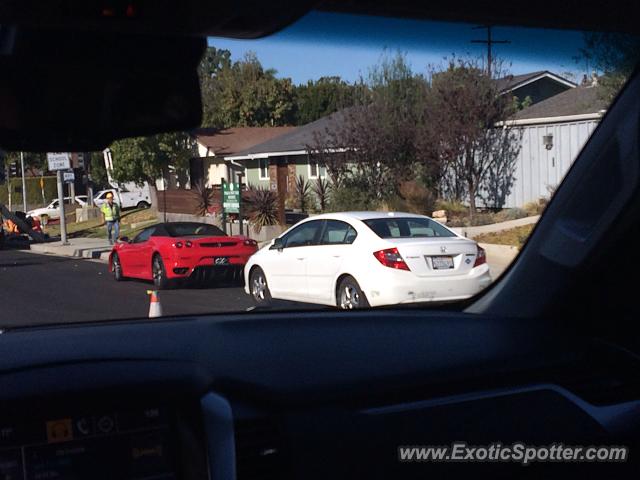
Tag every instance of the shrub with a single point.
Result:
(453, 208)
(206, 199)
(322, 189)
(352, 197)
(415, 198)
(510, 214)
(302, 193)
(262, 207)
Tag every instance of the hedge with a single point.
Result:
(34, 194)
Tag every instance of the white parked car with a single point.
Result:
(52, 210)
(360, 259)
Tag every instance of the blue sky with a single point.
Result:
(322, 44)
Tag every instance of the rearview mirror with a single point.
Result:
(277, 244)
(125, 239)
(64, 90)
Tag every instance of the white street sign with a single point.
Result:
(58, 161)
(68, 177)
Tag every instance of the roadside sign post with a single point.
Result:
(240, 203)
(24, 184)
(63, 220)
(57, 162)
(224, 214)
(231, 198)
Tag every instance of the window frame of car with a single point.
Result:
(136, 240)
(315, 240)
(326, 226)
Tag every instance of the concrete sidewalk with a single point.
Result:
(472, 232)
(96, 248)
(499, 257)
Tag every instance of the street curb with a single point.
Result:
(72, 251)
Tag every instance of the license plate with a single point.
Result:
(221, 260)
(442, 262)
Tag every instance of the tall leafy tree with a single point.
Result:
(467, 129)
(376, 137)
(145, 159)
(243, 93)
(322, 97)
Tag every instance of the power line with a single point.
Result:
(489, 42)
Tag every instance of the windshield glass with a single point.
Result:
(407, 228)
(193, 230)
(349, 162)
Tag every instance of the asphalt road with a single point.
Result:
(43, 289)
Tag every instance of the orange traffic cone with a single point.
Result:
(155, 309)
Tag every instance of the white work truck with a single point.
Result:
(128, 195)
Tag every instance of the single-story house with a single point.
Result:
(213, 145)
(276, 163)
(553, 133)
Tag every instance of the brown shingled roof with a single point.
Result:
(233, 140)
(575, 101)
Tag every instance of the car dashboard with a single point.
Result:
(280, 396)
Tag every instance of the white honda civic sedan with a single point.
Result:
(361, 259)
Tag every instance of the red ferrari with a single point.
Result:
(168, 252)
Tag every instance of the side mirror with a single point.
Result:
(125, 239)
(277, 244)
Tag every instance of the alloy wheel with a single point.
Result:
(349, 297)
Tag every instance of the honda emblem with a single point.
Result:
(443, 249)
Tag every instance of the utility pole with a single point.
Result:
(63, 220)
(9, 187)
(24, 184)
(489, 42)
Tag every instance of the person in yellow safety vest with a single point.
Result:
(111, 212)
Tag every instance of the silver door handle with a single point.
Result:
(337, 256)
(300, 258)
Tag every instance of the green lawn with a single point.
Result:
(96, 229)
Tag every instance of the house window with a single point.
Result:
(315, 170)
(263, 164)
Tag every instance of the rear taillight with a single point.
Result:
(391, 258)
(481, 257)
(250, 243)
(177, 245)
(188, 244)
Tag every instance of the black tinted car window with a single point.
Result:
(193, 230)
(407, 228)
(144, 235)
(304, 235)
(337, 232)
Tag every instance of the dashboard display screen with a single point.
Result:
(133, 444)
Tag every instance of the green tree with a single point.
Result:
(322, 97)
(615, 55)
(462, 114)
(377, 137)
(243, 93)
(213, 62)
(145, 159)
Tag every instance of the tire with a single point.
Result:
(116, 268)
(142, 205)
(159, 273)
(259, 289)
(349, 295)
